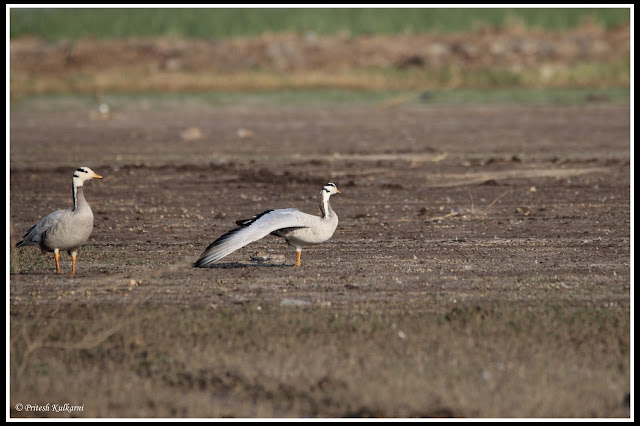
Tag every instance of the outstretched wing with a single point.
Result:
(251, 230)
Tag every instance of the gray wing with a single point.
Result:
(34, 235)
(251, 230)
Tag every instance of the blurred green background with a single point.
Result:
(591, 78)
(57, 23)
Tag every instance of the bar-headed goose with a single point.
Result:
(65, 229)
(297, 228)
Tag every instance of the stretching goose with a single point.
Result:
(65, 229)
(297, 228)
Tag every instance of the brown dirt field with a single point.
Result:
(481, 266)
(287, 52)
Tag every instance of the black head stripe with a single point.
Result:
(331, 184)
(325, 189)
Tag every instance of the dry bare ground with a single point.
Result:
(481, 267)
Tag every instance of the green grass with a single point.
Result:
(537, 97)
(29, 259)
(328, 97)
(72, 23)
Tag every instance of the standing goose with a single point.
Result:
(297, 228)
(65, 229)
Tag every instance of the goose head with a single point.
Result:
(82, 174)
(330, 189)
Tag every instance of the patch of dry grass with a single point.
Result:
(114, 80)
(588, 56)
(279, 361)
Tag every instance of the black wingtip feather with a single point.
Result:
(246, 222)
(200, 263)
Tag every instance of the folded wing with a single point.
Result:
(35, 233)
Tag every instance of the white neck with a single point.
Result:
(77, 183)
(324, 205)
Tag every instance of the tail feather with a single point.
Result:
(25, 238)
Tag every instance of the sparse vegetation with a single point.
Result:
(588, 50)
(314, 362)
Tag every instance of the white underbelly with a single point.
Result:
(305, 237)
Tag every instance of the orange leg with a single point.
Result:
(298, 261)
(73, 263)
(56, 253)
